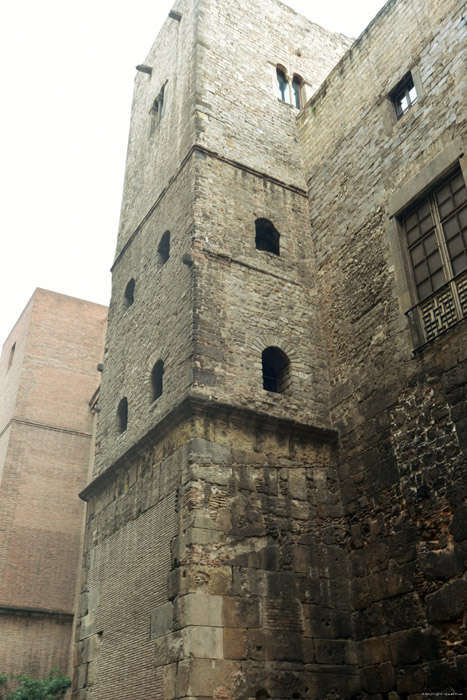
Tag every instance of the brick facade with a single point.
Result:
(45, 448)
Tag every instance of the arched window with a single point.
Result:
(157, 375)
(122, 415)
(297, 91)
(276, 370)
(129, 295)
(282, 85)
(164, 248)
(267, 236)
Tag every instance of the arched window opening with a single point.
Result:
(276, 370)
(267, 236)
(297, 91)
(282, 85)
(157, 375)
(164, 248)
(122, 415)
(262, 694)
(129, 295)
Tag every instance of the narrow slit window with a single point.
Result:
(157, 111)
(297, 91)
(282, 85)
(276, 370)
(267, 236)
(164, 248)
(129, 296)
(122, 415)
(157, 380)
(12, 355)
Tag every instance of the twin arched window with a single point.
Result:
(290, 90)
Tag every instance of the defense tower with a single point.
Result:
(210, 542)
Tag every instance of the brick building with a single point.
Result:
(277, 506)
(47, 376)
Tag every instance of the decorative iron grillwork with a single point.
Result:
(439, 312)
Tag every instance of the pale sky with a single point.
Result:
(67, 71)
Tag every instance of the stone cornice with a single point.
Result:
(193, 406)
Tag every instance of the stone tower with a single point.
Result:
(213, 565)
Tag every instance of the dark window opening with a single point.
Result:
(122, 415)
(276, 370)
(157, 110)
(267, 236)
(262, 694)
(282, 85)
(157, 375)
(164, 248)
(129, 296)
(297, 91)
(404, 96)
(12, 354)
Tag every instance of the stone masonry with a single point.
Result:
(309, 542)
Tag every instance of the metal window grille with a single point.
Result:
(436, 232)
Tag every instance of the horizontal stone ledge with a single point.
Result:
(18, 611)
(193, 406)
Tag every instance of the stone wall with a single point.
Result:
(400, 415)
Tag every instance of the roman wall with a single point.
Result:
(400, 414)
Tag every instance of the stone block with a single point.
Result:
(235, 643)
(332, 651)
(240, 612)
(203, 642)
(448, 603)
(170, 675)
(373, 651)
(410, 646)
(458, 525)
(93, 598)
(378, 679)
(161, 620)
(220, 581)
(93, 673)
(168, 649)
(204, 451)
(410, 678)
(198, 609)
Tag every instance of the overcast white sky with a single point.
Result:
(67, 71)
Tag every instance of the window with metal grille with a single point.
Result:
(436, 232)
(276, 370)
(404, 95)
(437, 236)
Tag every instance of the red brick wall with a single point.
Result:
(44, 457)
